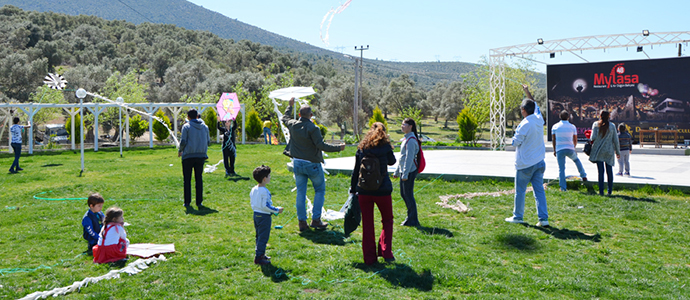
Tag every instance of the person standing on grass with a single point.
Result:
(260, 198)
(16, 143)
(625, 142)
(306, 144)
(376, 144)
(267, 132)
(229, 149)
(604, 144)
(529, 161)
(407, 170)
(193, 146)
(564, 139)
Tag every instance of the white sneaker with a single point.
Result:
(514, 220)
(543, 223)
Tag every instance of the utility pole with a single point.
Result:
(358, 86)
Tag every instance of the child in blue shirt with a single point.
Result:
(263, 208)
(93, 220)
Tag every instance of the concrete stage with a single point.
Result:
(470, 165)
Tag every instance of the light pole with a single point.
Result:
(81, 94)
(119, 101)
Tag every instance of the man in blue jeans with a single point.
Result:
(529, 161)
(564, 139)
(306, 144)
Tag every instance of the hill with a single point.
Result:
(194, 17)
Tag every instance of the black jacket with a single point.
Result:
(230, 135)
(386, 158)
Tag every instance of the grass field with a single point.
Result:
(629, 246)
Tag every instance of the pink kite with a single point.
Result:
(228, 106)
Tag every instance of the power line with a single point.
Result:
(125, 4)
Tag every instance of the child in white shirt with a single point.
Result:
(263, 208)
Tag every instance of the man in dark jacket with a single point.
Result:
(306, 144)
(193, 146)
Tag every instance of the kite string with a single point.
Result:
(18, 270)
(82, 198)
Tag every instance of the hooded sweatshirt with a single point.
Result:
(195, 140)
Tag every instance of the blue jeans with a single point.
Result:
(262, 227)
(609, 177)
(17, 148)
(267, 135)
(560, 157)
(312, 171)
(534, 175)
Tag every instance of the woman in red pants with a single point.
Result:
(373, 186)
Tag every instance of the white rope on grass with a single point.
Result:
(131, 269)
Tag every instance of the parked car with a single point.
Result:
(61, 135)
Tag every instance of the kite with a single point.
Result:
(332, 13)
(148, 250)
(228, 106)
(55, 81)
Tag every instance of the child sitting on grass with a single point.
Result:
(263, 208)
(112, 242)
(93, 220)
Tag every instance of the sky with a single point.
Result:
(422, 31)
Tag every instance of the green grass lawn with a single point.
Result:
(632, 245)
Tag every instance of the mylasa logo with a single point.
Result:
(616, 76)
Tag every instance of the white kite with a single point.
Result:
(332, 13)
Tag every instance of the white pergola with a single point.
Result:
(97, 108)
(497, 63)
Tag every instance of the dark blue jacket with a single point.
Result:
(386, 158)
(229, 136)
(92, 223)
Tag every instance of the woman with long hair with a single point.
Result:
(375, 145)
(407, 170)
(604, 144)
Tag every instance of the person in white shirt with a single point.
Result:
(16, 143)
(263, 207)
(564, 139)
(529, 161)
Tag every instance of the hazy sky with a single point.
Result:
(431, 30)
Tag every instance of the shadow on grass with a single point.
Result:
(203, 210)
(51, 165)
(276, 274)
(517, 241)
(401, 275)
(567, 234)
(237, 178)
(435, 230)
(629, 198)
(327, 237)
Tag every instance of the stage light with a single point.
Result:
(540, 41)
(639, 48)
(645, 32)
(552, 55)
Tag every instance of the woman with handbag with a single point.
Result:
(604, 141)
(373, 186)
(407, 170)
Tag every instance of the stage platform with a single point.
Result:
(469, 165)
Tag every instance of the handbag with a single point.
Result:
(353, 215)
(588, 148)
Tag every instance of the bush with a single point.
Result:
(254, 125)
(415, 114)
(322, 128)
(160, 131)
(468, 126)
(211, 119)
(378, 117)
(77, 128)
(137, 127)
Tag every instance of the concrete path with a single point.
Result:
(657, 170)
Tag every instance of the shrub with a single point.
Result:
(160, 131)
(77, 128)
(468, 126)
(254, 125)
(322, 128)
(211, 119)
(378, 117)
(415, 114)
(137, 127)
